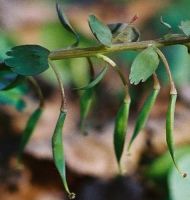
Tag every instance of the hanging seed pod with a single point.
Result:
(120, 130)
(170, 111)
(58, 152)
(143, 115)
(170, 128)
(30, 126)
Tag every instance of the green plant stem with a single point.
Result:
(117, 69)
(37, 90)
(165, 62)
(63, 99)
(156, 83)
(93, 51)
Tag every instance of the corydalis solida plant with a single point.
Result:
(24, 62)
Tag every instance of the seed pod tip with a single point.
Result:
(72, 195)
(184, 175)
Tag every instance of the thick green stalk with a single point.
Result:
(93, 51)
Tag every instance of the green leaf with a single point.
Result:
(120, 130)
(13, 98)
(86, 100)
(95, 82)
(7, 77)
(179, 188)
(65, 22)
(143, 115)
(58, 151)
(29, 129)
(161, 166)
(117, 27)
(18, 82)
(170, 128)
(144, 65)
(100, 31)
(123, 32)
(28, 60)
(185, 27)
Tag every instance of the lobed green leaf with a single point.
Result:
(143, 115)
(120, 129)
(28, 60)
(58, 151)
(185, 27)
(29, 129)
(144, 65)
(100, 31)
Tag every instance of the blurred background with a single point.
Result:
(91, 165)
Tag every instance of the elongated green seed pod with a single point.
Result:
(58, 152)
(30, 126)
(120, 130)
(170, 128)
(143, 115)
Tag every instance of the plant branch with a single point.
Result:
(156, 85)
(93, 51)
